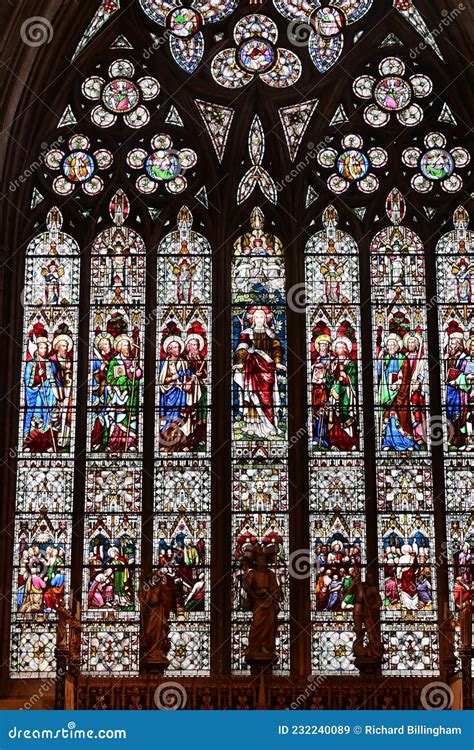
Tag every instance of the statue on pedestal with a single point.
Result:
(263, 600)
(68, 654)
(158, 601)
(68, 633)
(367, 606)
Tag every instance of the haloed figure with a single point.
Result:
(257, 358)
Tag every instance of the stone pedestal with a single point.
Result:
(154, 665)
(368, 664)
(261, 663)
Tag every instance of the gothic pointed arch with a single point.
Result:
(197, 190)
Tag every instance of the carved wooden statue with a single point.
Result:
(367, 606)
(158, 600)
(263, 597)
(68, 655)
(68, 634)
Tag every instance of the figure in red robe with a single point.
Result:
(257, 358)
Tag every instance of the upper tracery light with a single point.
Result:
(184, 25)
(255, 55)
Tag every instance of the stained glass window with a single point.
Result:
(218, 120)
(392, 92)
(119, 95)
(112, 528)
(295, 120)
(353, 165)
(45, 478)
(454, 258)
(259, 428)
(256, 56)
(257, 175)
(105, 11)
(324, 26)
(127, 122)
(335, 425)
(403, 450)
(184, 26)
(182, 505)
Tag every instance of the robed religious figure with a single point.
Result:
(263, 599)
(174, 386)
(257, 358)
(394, 375)
(103, 355)
(62, 360)
(42, 396)
(457, 390)
(196, 391)
(343, 400)
(123, 374)
(158, 601)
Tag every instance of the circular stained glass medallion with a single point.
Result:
(183, 22)
(256, 55)
(328, 21)
(162, 165)
(392, 94)
(78, 166)
(120, 95)
(437, 164)
(352, 164)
